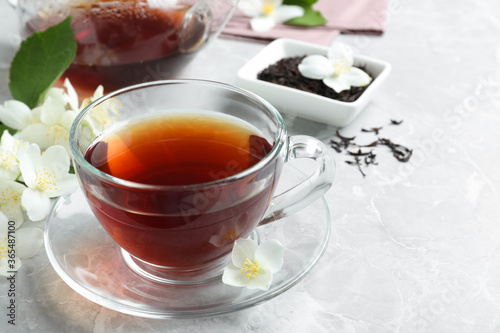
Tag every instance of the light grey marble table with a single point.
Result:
(415, 247)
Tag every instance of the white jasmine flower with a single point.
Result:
(55, 122)
(229, 232)
(266, 13)
(9, 166)
(336, 71)
(98, 93)
(16, 245)
(103, 115)
(47, 124)
(46, 175)
(10, 201)
(253, 265)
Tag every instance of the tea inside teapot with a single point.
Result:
(122, 42)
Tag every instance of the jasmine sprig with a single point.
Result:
(265, 14)
(35, 166)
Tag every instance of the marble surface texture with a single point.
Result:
(415, 247)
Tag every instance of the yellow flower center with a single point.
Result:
(7, 160)
(267, 7)
(8, 199)
(341, 67)
(3, 248)
(231, 234)
(250, 269)
(57, 132)
(46, 180)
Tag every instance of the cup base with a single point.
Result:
(172, 276)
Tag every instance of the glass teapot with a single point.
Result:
(122, 42)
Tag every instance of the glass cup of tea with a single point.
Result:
(124, 42)
(177, 170)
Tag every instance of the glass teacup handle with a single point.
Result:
(204, 21)
(310, 189)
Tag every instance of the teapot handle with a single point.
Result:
(204, 21)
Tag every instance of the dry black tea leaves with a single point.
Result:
(286, 73)
(401, 153)
(343, 144)
(373, 129)
(360, 156)
(396, 122)
(357, 162)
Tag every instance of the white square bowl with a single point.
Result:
(304, 104)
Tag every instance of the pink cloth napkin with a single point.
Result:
(343, 16)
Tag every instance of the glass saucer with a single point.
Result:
(91, 263)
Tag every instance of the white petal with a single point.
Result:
(250, 8)
(357, 77)
(217, 241)
(262, 23)
(36, 133)
(287, 12)
(28, 242)
(58, 94)
(9, 175)
(52, 110)
(243, 249)
(261, 281)
(7, 141)
(62, 140)
(66, 184)
(232, 276)
(36, 115)
(315, 67)
(36, 203)
(15, 114)
(226, 235)
(9, 146)
(269, 255)
(10, 195)
(72, 95)
(55, 158)
(4, 226)
(29, 158)
(67, 118)
(337, 83)
(98, 93)
(341, 51)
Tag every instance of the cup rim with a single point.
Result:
(79, 159)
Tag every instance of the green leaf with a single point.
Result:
(4, 127)
(311, 17)
(41, 60)
(301, 3)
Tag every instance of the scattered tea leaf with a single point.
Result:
(401, 153)
(357, 162)
(396, 122)
(375, 130)
(41, 60)
(363, 158)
